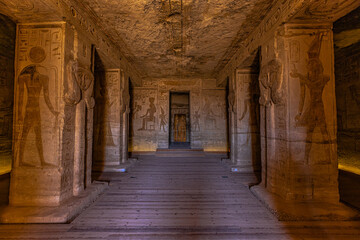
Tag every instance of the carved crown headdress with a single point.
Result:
(315, 46)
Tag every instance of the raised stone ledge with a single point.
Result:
(306, 210)
(64, 213)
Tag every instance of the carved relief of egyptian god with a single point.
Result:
(79, 85)
(270, 81)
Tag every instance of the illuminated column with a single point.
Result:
(53, 117)
(298, 114)
(246, 154)
(40, 176)
(109, 116)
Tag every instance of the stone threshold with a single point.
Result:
(63, 213)
(304, 211)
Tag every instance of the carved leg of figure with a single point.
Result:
(326, 138)
(308, 143)
(39, 144)
(25, 132)
(143, 127)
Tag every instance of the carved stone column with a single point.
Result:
(39, 176)
(124, 124)
(83, 131)
(232, 118)
(246, 150)
(112, 109)
(298, 123)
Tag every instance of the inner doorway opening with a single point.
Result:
(179, 134)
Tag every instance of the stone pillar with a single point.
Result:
(41, 174)
(124, 124)
(246, 122)
(298, 125)
(232, 103)
(53, 115)
(298, 114)
(109, 118)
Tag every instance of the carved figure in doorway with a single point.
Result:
(32, 82)
(197, 121)
(312, 115)
(149, 116)
(162, 120)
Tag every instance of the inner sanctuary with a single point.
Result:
(179, 119)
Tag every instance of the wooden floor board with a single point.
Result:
(180, 198)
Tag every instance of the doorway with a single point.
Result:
(179, 134)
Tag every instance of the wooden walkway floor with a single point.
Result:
(180, 198)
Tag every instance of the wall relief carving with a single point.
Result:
(31, 81)
(148, 119)
(271, 79)
(312, 84)
(77, 85)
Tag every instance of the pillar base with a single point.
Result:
(63, 213)
(304, 211)
(249, 177)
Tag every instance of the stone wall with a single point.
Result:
(150, 114)
(7, 54)
(347, 74)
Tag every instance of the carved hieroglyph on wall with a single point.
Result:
(36, 111)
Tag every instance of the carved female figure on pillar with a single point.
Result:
(312, 115)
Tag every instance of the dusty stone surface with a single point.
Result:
(178, 37)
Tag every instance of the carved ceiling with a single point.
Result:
(180, 38)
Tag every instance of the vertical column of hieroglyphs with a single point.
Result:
(108, 113)
(247, 121)
(36, 178)
(312, 112)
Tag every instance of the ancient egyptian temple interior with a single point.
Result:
(179, 119)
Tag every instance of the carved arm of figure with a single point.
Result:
(21, 84)
(243, 114)
(303, 79)
(146, 114)
(45, 83)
